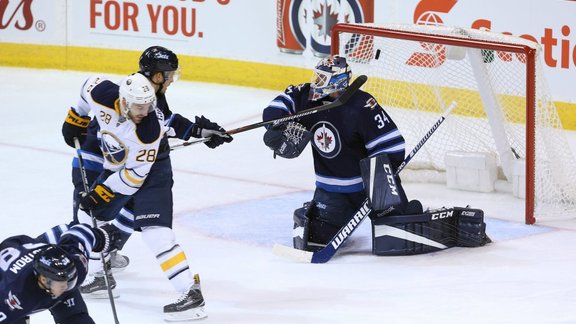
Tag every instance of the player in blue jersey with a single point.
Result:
(44, 273)
(340, 137)
(134, 123)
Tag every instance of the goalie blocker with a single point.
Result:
(401, 228)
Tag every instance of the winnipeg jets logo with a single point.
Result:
(326, 139)
(13, 302)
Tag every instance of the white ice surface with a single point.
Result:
(233, 203)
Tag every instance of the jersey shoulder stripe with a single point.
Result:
(149, 129)
(106, 94)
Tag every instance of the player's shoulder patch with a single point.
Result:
(296, 88)
(149, 129)
(365, 100)
(105, 93)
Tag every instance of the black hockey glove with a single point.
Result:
(96, 199)
(203, 127)
(108, 238)
(287, 140)
(74, 126)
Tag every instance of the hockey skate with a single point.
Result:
(189, 306)
(94, 287)
(118, 262)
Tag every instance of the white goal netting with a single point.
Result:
(417, 71)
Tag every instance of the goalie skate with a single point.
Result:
(189, 306)
(94, 287)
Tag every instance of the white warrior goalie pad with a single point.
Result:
(429, 232)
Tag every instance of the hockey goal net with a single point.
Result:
(503, 105)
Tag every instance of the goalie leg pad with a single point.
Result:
(319, 220)
(382, 186)
(412, 234)
(330, 212)
(310, 232)
(429, 232)
(301, 226)
(471, 228)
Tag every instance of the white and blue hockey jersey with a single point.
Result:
(129, 150)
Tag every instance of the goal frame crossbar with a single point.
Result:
(529, 52)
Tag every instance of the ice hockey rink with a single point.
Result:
(233, 203)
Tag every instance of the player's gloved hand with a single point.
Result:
(74, 126)
(108, 238)
(203, 127)
(287, 140)
(96, 198)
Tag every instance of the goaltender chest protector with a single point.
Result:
(339, 136)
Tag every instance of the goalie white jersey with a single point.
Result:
(129, 149)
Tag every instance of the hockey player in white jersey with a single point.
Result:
(137, 173)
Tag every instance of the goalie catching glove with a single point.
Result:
(96, 198)
(74, 127)
(203, 127)
(287, 140)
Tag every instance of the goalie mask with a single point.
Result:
(331, 75)
(137, 97)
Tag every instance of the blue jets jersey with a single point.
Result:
(20, 294)
(342, 136)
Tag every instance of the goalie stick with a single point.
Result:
(348, 93)
(86, 189)
(325, 254)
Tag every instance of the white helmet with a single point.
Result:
(136, 89)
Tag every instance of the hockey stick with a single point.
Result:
(325, 254)
(348, 93)
(86, 189)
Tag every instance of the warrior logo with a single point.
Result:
(115, 151)
(326, 139)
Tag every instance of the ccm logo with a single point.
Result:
(442, 215)
(390, 179)
(468, 213)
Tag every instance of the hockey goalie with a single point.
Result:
(401, 227)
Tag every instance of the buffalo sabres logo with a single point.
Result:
(115, 151)
(326, 139)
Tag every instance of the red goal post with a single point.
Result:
(504, 107)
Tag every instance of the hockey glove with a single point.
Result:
(96, 199)
(287, 140)
(74, 126)
(203, 127)
(108, 238)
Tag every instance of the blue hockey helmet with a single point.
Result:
(332, 74)
(159, 59)
(53, 263)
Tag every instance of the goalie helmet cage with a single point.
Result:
(503, 107)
